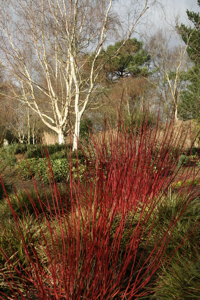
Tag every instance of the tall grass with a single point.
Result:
(109, 237)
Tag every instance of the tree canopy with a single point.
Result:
(131, 59)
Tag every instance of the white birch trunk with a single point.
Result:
(77, 131)
(33, 133)
(61, 138)
(176, 112)
(28, 125)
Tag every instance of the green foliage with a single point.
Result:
(55, 148)
(59, 155)
(34, 152)
(15, 239)
(85, 128)
(183, 160)
(60, 169)
(44, 168)
(193, 33)
(25, 208)
(39, 151)
(189, 108)
(186, 183)
(26, 170)
(129, 60)
(20, 148)
(39, 167)
(188, 160)
(137, 120)
(7, 157)
(30, 151)
(78, 169)
(181, 279)
(28, 226)
(8, 188)
(190, 104)
(21, 202)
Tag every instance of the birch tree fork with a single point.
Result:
(44, 43)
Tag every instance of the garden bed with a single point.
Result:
(120, 229)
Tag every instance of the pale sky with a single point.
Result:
(171, 8)
(160, 16)
(164, 18)
(174, 7)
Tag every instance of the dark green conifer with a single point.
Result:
(190, 106)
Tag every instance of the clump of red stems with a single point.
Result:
(101, 246)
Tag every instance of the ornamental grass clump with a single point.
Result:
(179, 275)
(107, 238)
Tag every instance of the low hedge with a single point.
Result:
(189, 160)
(39, 151)
(42, 167)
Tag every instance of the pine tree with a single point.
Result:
(132, 59)
(190, 106)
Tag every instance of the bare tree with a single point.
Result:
(171, 63)
(17, 118)
(44, 44)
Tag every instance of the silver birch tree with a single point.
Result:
(44, 45)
